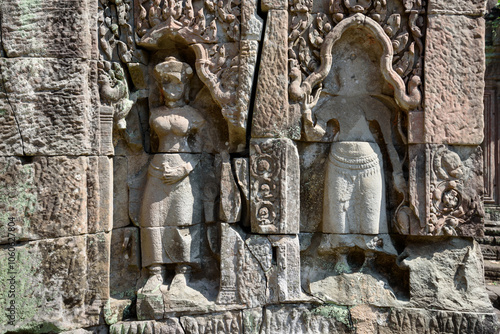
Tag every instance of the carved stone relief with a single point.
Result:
(159, 183)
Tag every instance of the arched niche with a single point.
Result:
(217, 66)
(374, 34)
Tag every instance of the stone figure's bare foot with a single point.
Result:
(182, 276)
(155, 279)
(342, 266)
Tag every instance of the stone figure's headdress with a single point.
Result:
(172, 67)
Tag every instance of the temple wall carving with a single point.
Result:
(199, 166)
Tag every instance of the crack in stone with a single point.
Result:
(10, 104)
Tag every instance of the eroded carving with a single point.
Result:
(274, 186)
(171, 213)
(453, 196)
(312, 36)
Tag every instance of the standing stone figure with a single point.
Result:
(354, 198)
(171, 211)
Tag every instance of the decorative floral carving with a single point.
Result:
(404, 28)
(447, 209)
(201, 26)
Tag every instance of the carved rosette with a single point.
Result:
(274, 186)
(455, 191)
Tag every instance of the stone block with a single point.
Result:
(454, 86)
(284, 278)
(270, 116)
(416, 125)
(274, 186)
(463, 7)
(48, 279)
(46, 196)
(51, 102)
(453, 268)
(45, 28)
(230, 197)
(243, 280)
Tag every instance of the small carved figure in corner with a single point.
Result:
(171, 211)
(114, 91)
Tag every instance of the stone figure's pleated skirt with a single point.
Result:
(171, 214)
(354, 200)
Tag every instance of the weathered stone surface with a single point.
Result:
(51, 101)
(49, 284)
(125, 265)
(242, 172)
(274, 186)
(10, 137)
(267, 5)
(242, 278)
(100, 194)
(454, 69)
(256, 269)
(476, 7)
(224, 323)
(120, 192)
(304, 318)
(46, 196)
(117, 310)
(284, 277)
(90, 330)
(453, 268)
(313, 157)
(270, 116)
(230, 197)
(98, 269)
(170, 326)
(415, 321)
(251, 23)
(44, 28)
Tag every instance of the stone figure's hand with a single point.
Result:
(174, 175)
(400, 183)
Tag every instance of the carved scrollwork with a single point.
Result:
(265, 169)
(399, 30)
(179, 17)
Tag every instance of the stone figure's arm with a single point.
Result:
(397, 169)
(313, 132)
(175, 174)
(382, 115)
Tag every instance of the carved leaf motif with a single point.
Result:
(337, 10)
(380, 10)
(399, 42)
(393, 24)
(405, 64)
